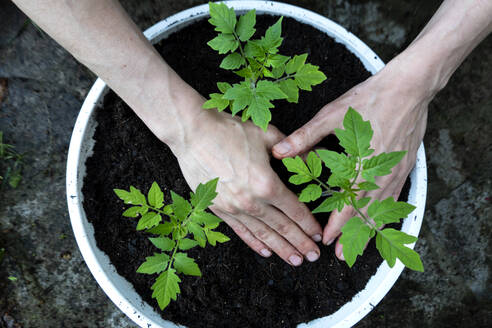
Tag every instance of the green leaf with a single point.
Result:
(216, 101)
(162, 229)
(361, 203)
(272, 39)
(276, 60)
(245, 26)
(295, 63)
(314, 164)
(163, 243)
(388, 211)
(223, 86)
(289, 87)
(277, 72)
(204, 195)
(148, 220)
(181, 207)
(355, 235)
(310, 193)
(134, 211)
(299, 179)
(337, 181)
(339, 164)
(245, 72)
(232, 61)
(259, 110)
(154, 264)
(269, 90)
(356, 138)
(185, 244)
(208, 220)
(222, 17)
(155, 196)
(242, 95)
(186, 265)
(368, 186)
(253, 49)
(198, 233)
(214, 237)
(223, 43)
(309, 75)
(381, 164)
(336, 201)
(391, 245)
(296, 165)
(134, 196)
(166, 287)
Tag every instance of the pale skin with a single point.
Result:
(252, 200)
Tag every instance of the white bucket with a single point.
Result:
(119, 290)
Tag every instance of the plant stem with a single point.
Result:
(288, 76)
(365, 218)
(324, 185)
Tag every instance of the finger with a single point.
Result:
(291, 232)
(335, 224)
(288, 203)
(273, 136)
(272, 239)
(304, 138)
(245, 234)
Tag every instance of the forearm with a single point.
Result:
(453, 32)
(100, 35)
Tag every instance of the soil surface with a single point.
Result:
(238, 288)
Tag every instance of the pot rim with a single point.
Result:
(119, 290)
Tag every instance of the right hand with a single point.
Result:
(251, 199)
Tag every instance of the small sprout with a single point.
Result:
(178, 227)
(352, 172)
(267, 74)
(12, 278)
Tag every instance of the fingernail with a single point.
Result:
(312, 256)
(329, 242)
(295, 260)
(282, 148)
(317, 237)
(340, 256)
(265, 252)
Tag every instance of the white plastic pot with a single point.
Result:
(117, 288)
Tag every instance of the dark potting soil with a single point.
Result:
(238, 288)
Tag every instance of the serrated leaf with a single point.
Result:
(338, 163)
(310, 193)
(186, 265)
(253, 49)
(289, 87)
(154, 264)
(309, 75)
(259, 110)
(276, 60)
(295, 63)
(368, 186)
(216, 101)
(388, 211)
(222, 17)
(356, 138)
(163, 229)
(232, 61)
(391, 245)
(163, 243)
(208, 220)
(337, 181)
(361, 203)
(244, 72)
(272, 39)
(335, 201)
(198, 233)
(155, 196)
(181, 207)
(133, 212)
(223, 43)
(134, 196)
(186, 244)
(223, 86)
(269, 90)
(355, 235)
(277, 72)
(296, 165)
(245, 26)
(148, 220)
(166, 287)
(381, 164)
(314, 164)
(204, 195)
(215, 237)
(241, 94)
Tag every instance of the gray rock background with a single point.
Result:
(44, 90)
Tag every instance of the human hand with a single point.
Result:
(251, 199)
(396, 104)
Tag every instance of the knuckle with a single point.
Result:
(230, 209)
(262, 234)
(249, 205)
(285, 228)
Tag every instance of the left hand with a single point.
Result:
(395, 102)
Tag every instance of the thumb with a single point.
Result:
(273, 136)
(304, 138)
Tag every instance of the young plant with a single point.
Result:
(10, 164)
(267, 74)
(173, 224)
(352, 173)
